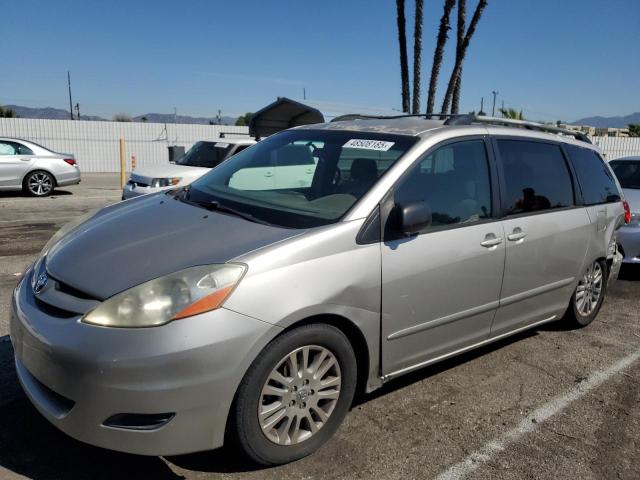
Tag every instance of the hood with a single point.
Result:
(632, 195)
(139, 240)
(168, 170)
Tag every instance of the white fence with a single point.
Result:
(616, 147)
(96, 144)
(96, 148)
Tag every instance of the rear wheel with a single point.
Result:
(295, 395)
(38, 184)
(588, 295)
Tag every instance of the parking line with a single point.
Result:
(533, 421)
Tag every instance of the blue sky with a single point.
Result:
(555, 59)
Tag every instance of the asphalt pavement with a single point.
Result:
(550, 403)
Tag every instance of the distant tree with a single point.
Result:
(512, 113)
(442, 38)
(243, 120)
(7, 112)
(144, 119)
(634, 129)
(122, 117)
(404, 63)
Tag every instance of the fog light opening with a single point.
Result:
(138, 421)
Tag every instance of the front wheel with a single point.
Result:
(295, 394)
(588, 295)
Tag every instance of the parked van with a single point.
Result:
(239, 308)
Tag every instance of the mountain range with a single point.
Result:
(60, 114)
(603, 122)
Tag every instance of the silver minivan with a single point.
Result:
(253, 311)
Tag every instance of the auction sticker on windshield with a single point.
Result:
(363, 144)
(221, 145)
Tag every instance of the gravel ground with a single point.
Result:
(550, 403)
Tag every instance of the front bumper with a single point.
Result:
(629, 240)
(78, 375)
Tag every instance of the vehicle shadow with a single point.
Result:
(19, 194)
(225, 461)
(629, 272)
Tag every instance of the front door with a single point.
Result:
(440, 288)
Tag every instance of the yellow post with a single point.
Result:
(123, 165)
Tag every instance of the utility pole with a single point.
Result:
(78, 111)
(304, 93)
(481, 106)
(502, 109)
(70, 102)
(493, 110)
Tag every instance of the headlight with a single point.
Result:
(66, 229)
(178, 295)
(165, 182)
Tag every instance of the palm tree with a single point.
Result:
(457, 69)
(437, 54)
(417, 56)
(404, 66)
(511, 113)
(462, 20)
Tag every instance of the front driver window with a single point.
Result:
(453, 181)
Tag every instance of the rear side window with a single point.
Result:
(536, 175)
(596, 181)
(13, 148)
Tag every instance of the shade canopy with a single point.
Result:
(282, 114)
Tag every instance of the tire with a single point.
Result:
(588, 296)
(38, 184)
(287, 416)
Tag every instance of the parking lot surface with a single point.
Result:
(550, 403)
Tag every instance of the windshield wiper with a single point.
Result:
(219, 207)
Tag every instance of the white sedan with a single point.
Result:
(34, 169)
(198, 160)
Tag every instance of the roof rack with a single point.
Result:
(508, 122)
(426, 116)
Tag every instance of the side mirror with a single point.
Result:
(413, 217)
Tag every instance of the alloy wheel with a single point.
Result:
(589, 290)
(299, 395)
(40, 183)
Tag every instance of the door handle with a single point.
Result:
(25, 159)
(517, 235)
(268, 174)
(491, 241)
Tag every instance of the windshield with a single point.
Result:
(628, 172)
(205, 154)
(300, 178)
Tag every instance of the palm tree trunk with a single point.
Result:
(417, 56)
(457, 69)
(437, 54)
(404, 65)
(462, 19)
